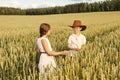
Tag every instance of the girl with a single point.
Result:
(46, 58)
(76, 40)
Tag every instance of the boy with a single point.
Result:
(76, 40)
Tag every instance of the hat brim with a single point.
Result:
(81, 26)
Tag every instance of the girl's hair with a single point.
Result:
(44, 28)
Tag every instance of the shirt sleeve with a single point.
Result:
(84, 40)
(69, 40)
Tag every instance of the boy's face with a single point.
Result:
(76, 29)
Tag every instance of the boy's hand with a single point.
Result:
(76, 49)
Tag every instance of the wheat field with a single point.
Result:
(98, 60)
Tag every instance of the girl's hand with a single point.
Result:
(65, 52)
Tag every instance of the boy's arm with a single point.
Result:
(84, 44)
(72, 48)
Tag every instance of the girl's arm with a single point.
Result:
(51, 53)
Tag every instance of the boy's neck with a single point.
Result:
(77, 34)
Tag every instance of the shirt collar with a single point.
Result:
(76, 35)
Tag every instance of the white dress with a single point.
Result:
(45, 60)
(76, 42)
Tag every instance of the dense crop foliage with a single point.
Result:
(98, 60)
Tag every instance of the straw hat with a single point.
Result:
(77, 23)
